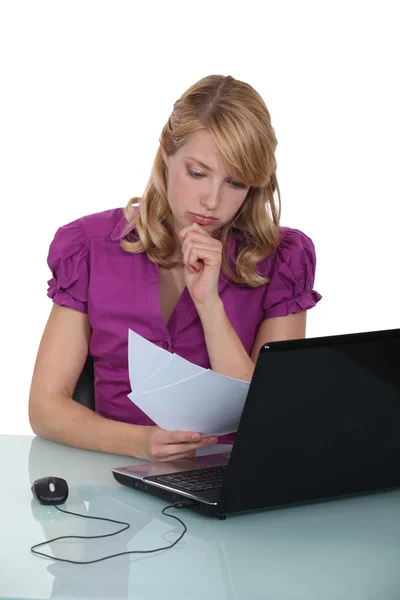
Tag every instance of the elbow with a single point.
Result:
(35, 415)
(34, 420)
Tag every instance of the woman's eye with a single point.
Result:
(238, 185)
(195, 175)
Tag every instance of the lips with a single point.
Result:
(202, 219)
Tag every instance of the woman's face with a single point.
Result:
(199, 189)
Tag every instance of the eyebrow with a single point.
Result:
(196, 160)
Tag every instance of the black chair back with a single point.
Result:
(84, 390)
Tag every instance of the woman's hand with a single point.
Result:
(161, 445)
(202, 257)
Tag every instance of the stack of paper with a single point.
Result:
(181, 396)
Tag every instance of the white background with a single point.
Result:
(86, 87)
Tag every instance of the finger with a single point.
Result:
(203, 250)
(193, 227)
(201, 236)
(193, 442)
(193, 238)
(193, 260)
(203, 244)
(184, 448)
(190, 261)
(177, 437)
(199, 254)
(200, 232)
(178, 456)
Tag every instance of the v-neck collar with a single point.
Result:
(183, 306)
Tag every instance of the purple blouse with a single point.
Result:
(120, 291)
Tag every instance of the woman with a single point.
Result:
(198, 265)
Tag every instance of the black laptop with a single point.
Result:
(321, 420)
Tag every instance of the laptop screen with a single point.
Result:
(322, 419)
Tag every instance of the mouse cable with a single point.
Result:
(180, 504)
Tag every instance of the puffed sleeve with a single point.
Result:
(68, 262)
(292, 276)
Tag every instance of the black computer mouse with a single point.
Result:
(50, 490)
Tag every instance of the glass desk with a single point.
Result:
(342, 549)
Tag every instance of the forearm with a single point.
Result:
(225, 350)
(61, 419)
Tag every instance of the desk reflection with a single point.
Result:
(169, 573)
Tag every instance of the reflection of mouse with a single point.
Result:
(50, 490)
(46, 514)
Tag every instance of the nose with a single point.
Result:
(211, 199)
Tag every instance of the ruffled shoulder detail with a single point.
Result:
(68, 261)
(292, 274)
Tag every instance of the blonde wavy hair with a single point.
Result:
(239, 122)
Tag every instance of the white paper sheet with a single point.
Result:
(181, 396)
(144, 358)
(169, 373)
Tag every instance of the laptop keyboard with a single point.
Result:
(194, 481)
